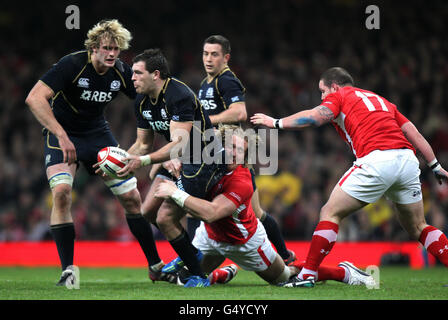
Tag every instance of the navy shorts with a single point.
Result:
(87, 148)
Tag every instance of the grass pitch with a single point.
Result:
(396, 283)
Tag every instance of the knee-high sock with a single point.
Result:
(141, 229)
(323, 240)
(436, 243)
(274, 235)
(64, 236)
(188, 253)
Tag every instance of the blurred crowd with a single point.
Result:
(279, 51)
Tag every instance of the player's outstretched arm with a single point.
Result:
(424, 148)
(308, 118)
(201, 209)
(37, 101)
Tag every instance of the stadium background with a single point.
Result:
(279, 50)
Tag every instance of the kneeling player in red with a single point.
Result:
(230, 229)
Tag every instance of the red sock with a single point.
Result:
(436, 243)
(324, 238)
(218, 276)
(326, 273)
(330, 273)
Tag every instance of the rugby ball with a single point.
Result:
(111, 160)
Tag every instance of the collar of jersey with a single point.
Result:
(161, 92)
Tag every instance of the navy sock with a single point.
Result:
(187, 252)
(142, 231)
(275, 236)
(64, 236)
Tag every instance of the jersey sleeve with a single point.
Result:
(230, 89)
(61, 74)
(182, 108)
(401, 119)
(141, 122)
(238, 191)
(333, 101)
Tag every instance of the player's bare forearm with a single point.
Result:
(171, 150)
(202, 209)
(41, 110)
(234, 114)
(144, 142)
(308, 118)
(418, 141)
(209, 211)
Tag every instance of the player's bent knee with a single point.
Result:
(164, 221)
(121, 186)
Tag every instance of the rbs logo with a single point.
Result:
(208, 104)
(97, 96)
(160, 125)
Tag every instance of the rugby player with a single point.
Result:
(167, 106)
(231, 230)
(69, 101)
(223, 97)
(383, 142)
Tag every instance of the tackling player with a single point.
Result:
(383, 142)
(169, 107)
(223, 96)
(231, 230)
(69, 101)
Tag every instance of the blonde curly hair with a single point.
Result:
(109, 30)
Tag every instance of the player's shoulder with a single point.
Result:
(239, 180)
(122, 67)
(77, 59)
(177, 89)
(227, 79)
(227, 75)
(242, 174)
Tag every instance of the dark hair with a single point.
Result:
(154, 60)
(225, 44)
(338, 76)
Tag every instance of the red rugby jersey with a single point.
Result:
(239, 227)
(366, 121)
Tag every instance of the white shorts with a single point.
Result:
(393, 173)
(257, 254)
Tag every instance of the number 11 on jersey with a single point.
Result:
(365, 98)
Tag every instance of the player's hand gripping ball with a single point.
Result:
(111, 160)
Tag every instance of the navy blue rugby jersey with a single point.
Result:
(81, 94)
(176, 102)
(218, 94)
